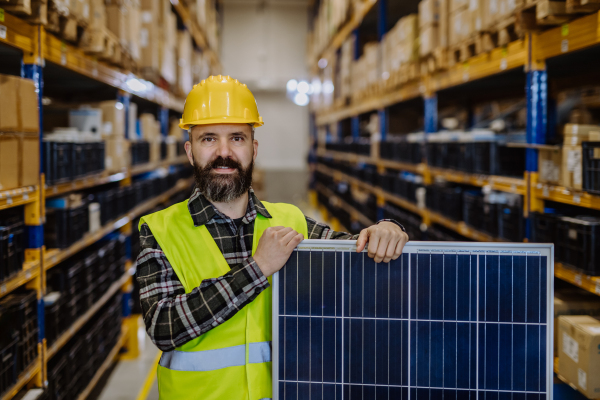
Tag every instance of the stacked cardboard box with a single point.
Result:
(429, 26)
(331, 16)
(184, 62)
(573, 302)
(150, 132)
(345, 68)
(460, 21)
(19, 133)
(117, 157)
(400, 46)
(200, 66)
(571, 169)
(167, 43)
(149, 38)
(578, 355)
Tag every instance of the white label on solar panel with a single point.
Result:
(464, 317)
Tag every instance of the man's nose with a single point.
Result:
(224, 150)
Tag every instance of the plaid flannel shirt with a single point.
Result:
(173, 317)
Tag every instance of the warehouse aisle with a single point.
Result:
(134, 379)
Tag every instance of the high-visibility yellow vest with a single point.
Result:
(233, 360)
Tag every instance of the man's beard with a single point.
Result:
(223, 188)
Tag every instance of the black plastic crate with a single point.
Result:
(22, 309)
(472, 209)
(511, 223)
(52, 319)
(64, 227)
(106, 201)
(12, 246)
(59, 161)
(591, 166)
(8, 364)
(58, 377)
(578, 243)
(544, 227)
(79, 160)
(451, 202)
(492, 158)
(437, 154)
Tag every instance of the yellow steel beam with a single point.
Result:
(586, 282)
(19, 34)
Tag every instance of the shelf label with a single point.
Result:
(546, 191)
(578, 280)
(2, 32)
(1, 15)
(576, 199)
(26, 196)
(597, 287)
(564, 46)
(63, 59)
(503, 64)
(2, 289)
(9, 201)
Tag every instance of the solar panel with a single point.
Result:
(444, 321)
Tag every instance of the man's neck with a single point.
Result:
(236, 208)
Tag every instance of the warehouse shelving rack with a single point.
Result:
(35, 48)
(530, 54)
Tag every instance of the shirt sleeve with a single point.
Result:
(173, 317)
(318, 230)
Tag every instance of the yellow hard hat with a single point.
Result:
(220, 100)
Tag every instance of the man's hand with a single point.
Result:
(386, 241)
(275, 247)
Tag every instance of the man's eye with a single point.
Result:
(238, 139)
(208, 139)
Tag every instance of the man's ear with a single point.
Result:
(188, 152)
(255, 145)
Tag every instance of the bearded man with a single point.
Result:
(205, 264)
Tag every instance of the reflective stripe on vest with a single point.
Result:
(210, 360)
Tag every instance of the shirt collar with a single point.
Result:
(204, 212)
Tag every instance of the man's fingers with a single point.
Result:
(400, 246)
(296, 240)
(289, 235)
(373, 245)
(361, 242)
(391, 251)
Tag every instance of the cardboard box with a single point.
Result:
(9, 115)
(133, 131)
(29, 159)
(429, 39)
(549, 165)
(571, 175)
(18, 105)
(28, 106)
(578, 355)
(578, 303)
(116, 22)
(155, 150)
(113, 118)
(457, 5)
(444, 23)
(149, 126)
(184, 63)
(97, 15)
(149, 47)
(459, 26)
(574, 134)
(9, 161)
(134, 26)
(429, 13)
(117, 154)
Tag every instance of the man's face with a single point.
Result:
(223, 158)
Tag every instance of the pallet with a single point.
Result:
(100, 42)
(536, 14)
(434, 62)
(582, 6)
(151, 75)
(19, 7)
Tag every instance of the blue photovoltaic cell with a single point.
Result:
(464, 323)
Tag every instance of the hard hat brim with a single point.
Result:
(221, 120)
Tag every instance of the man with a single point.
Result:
(205, 264)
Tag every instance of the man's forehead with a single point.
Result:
(221, 129)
